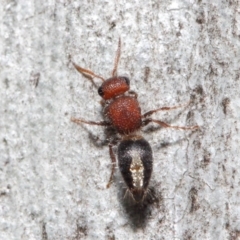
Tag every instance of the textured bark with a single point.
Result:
(53, 173)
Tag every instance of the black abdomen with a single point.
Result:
(135, 164)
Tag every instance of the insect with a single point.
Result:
(122, 111)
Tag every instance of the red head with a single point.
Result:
(113, 87)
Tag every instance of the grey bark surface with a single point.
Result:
(53, 173)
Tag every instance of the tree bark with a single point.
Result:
(53, 172)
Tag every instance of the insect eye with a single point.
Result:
(100, 91)
(126, 80)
